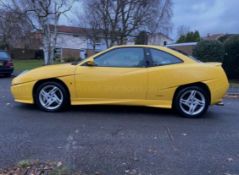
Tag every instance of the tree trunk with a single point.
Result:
(47, 50)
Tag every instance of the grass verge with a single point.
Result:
(21, 65)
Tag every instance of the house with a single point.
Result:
(77, 42)
(186, 48)
(159, 39)
(213, 37)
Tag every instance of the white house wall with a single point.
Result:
(65, 40)
(159, 40)
(70, 41)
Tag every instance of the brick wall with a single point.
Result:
(26, 53)
(70, 53)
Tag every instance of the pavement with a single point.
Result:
(233, 90)
(117, 140)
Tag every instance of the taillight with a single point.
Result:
(9, 63)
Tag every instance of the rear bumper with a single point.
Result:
(220, 103)
(6, 70)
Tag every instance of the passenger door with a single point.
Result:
(118, 74)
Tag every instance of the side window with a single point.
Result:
(162, 58)
(122, 57)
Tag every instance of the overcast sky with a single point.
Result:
(207, 16)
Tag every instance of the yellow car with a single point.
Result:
(126, 75)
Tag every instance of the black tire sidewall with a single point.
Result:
(65, 102)
(176, 102)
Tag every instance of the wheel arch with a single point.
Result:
(49, 80)
(198, 84)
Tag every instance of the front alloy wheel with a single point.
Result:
(51, 96)
(192, 102)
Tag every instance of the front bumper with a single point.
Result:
(23, 93)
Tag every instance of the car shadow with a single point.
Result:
(119, 109)
(106, 110)
(113, 110)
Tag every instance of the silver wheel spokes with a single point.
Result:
(192, 102)
(50, 97)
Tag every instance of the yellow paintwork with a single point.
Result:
(152, 86)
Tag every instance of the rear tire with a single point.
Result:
(192, 102)
(51, 97)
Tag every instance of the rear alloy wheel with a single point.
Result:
(192, 102)
(51, 97)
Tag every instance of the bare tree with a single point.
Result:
(90, 27)
(13, 29)
(182, 30)
(121, 19)
(43, 15)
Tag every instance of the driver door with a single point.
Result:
(118, 75)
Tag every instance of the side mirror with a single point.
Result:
(90, 63)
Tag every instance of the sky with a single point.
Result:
(206, 16)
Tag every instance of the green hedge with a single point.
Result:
(231, 60)
(209, 51)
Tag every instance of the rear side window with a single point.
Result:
(160, 58)
(4, 56)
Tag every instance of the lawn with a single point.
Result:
(21, 65)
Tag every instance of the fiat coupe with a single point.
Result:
(126, 75)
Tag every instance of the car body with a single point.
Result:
(126, 75)
(6, 65)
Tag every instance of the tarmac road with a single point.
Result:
(116, 140)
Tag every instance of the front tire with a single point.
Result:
(51, 97)
(192, 102)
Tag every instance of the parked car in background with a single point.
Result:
(6, 64)
(126, 75)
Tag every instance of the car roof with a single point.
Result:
(147, 46)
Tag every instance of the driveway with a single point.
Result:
(116, 140)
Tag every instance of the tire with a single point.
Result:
(192, 102)
(51, 97)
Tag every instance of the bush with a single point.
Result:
(231, 60)
(209, 51)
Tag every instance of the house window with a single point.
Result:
(58, 52)
(165, 43)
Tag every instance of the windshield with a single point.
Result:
(4, 55)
